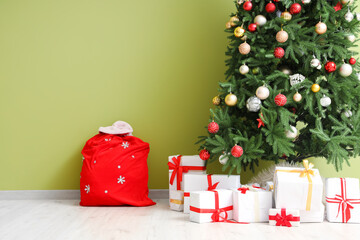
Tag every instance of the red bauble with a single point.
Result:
(252, 27)
(330, 67)
(247, 6)
(237, 151)
(204, 154)
(270, 7)
(280, 100)
(213, 127)
(295, 8)
(352, 61)
(279, 52)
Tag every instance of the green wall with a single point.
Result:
(68, 67)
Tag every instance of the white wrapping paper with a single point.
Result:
(176, 200)
(293, 212)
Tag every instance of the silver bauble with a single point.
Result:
(315, 63)
(253, 104)
(223, 159)
(306, 1)
(325, 101)
(262, 92)
(260, 20)
(349, 16)
(291, 133)
(345, 70)
(348, 113)
(244, 69)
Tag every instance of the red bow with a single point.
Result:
(283, 219)
(344, 203)
(243, 189)
(210, 185)
(338, 7)
(178, 171)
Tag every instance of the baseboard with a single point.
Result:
(63, 194)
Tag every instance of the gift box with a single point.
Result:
(284, 217)
(178, 165)
(300, 188)
(251, 204)
(342, 200)
(269, 186)
(211, 206)
(197, 182)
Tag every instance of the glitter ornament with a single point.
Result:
(237, 151)
(213, 127)
(234, 21)
(330, 67)
(352, 61)
(279, 52)
(252, 27)
(297, 97)
(295, 8)
(280, 100)
(345, 70)
(216, 100)
(291, 133)
(286, 16)
(244, 69)
(260, 20)
(282, 36)
(315, 88)
(325, 101)
(244, 48)
(239, 32)
(247, 6)
(253, 104)
(204, 154)
(270, 7)
(296, 79)
(262, 92)
(231, 99)
(320, 28)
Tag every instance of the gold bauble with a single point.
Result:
(228, 25)
(244, 48)
(286, 16)
(315, 88)
(320, 28)
(282, 36)
(231, 99)
(255, 70)
(216, 100)
(239, 32)
(234, 20)
(297, 97)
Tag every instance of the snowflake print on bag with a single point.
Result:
(125, 145)
(87, 188)
(121, 180)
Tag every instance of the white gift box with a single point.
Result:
(284, 217)
(342, 200)
(251, 205)
(269, 186)
(197, 182)
(300, 188)
(203, 206)
(182, 164)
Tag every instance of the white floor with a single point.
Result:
(65, 219)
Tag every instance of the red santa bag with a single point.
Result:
(114, 171)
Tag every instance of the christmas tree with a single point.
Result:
(291, 89)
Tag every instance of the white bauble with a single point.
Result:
(315, 63)
(285, 69)
(278, 13)
(357, 16)
(244, 69)
(297, 97)
(349, 16)
(348, 113)
(253, 104)
(306, 1)
(260, 20)
(240, 1)
(345, 70)
(358, 76)
(351, 38)
(262, 92)
(325, 101)
(223, 159)
(291, 133)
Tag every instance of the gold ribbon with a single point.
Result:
(306, 172)
(176, 201)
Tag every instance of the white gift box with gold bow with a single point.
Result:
(300, 188)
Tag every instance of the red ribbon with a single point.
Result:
(254, 186)
(243, 189)
(217, 215)
(179, 170)
(283, 219)
(210, 185)
(345, 204)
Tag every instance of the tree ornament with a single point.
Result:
(253, 104)
(234, 21)
(292, 133)
(306, 1)
(338, 7)
(252, 27)
(223, 159)
(297, 97)
(344, 1)
(244, 48)
(295, 8)
(280, 100)
(315, 87)
(330, 67)
(325, 101)
(244, 69)
(237, 151)
(296, 79)
(285, 69)
(270, 7)
(286, 16)
(255, 70)
(231, 99)
(279, 52)
(278, 13)
(345, 70)
(358, 76)
(239, 2)
(348, 113)
(228, 25)
(216, 100)
(320, 28)
(262, 92)
(260, 20)
(204, 154)
(349, 16)
(351, 38)
(239, 32)
(352, 61)
(315, 63)
(247, 6)
(357, 16)
(282, 36)
(213, 127)
(276, 0)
